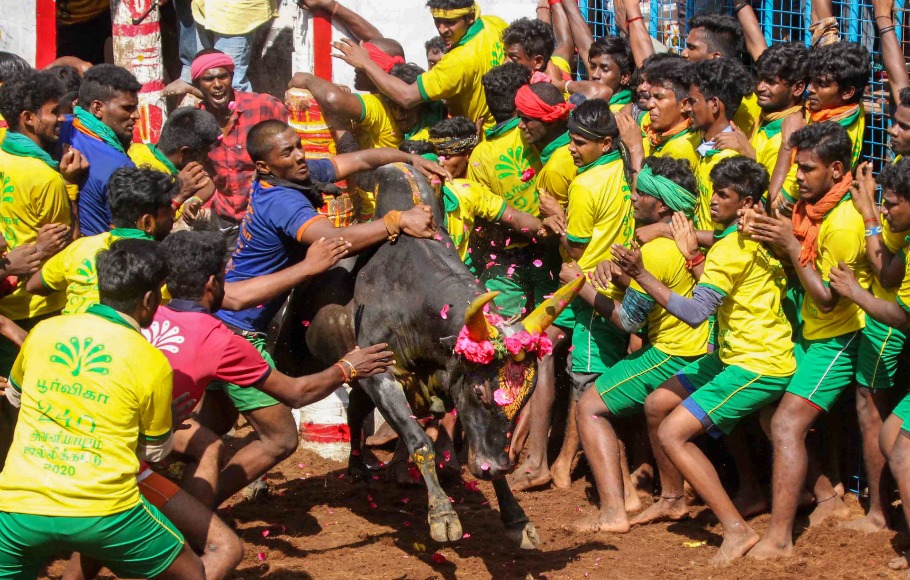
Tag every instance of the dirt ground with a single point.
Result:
(317, 523)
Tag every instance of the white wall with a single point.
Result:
(17, 28)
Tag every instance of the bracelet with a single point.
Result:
(175, 204)
(392, 222)
(698, 259)
(871, 221)
(739, 7)
(633, 19)
(344, 374)
(873, 231)
(883, 16)
(350, 364)
(882, 31)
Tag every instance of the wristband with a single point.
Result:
(175, 204)
(882, 31)
(350, 364)
(698, 259)
(633, 19)
(344, 374)
(739, 7)
(873, 231)
(871, 221)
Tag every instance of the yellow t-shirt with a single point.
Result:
(141, 154)
(92, 390)
(501, 160)
(903, 294)
(703, 169)
(474, 200)
(747, 114)
(600, 213)
(667, 333)
(682, 146)
(376, 126)
(73, 271)
(3, 127)
(456, 79)
(33, 194)
(767, 143)
(753, 332)
(558, 171)
(840, 239)
(233, 17)
(856, 130)
(895, 242)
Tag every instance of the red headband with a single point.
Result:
(530, 105)
(210, 61)
(381, 57)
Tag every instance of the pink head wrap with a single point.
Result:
(381, 57)
(209, 61)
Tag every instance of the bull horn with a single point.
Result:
(477, 324)
(544, 315)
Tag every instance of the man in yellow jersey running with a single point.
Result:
(743, 284)
(826, 230)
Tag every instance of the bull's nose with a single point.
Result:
(489, 469)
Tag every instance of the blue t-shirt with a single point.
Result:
(94, 207)
(268, 240)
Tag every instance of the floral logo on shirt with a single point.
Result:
(512, 164)
(164, 336)
(82, 356)
(497, 55)
(87, 270)
(8, 189)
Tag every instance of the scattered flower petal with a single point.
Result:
(537, 263)
(472, 485)
(261, 556)
(444, 313)
(265, 533)
(438, 558)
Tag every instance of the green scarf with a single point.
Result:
(623, 97)
(109, 314)
(719, 234)
(502, 128)
(433, 113)
(131, 233)
(449, 199)
(771, 129)
(550, 149)
(164, 160)
(674, 195)
(96, 126)
(473, 31)
(21, 146)
(602, 160)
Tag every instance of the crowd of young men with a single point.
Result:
(737, 267)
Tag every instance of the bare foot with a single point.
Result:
(899, 563)
(383, 435)
(750, 503)
(735, 546)
(868, 524)
(179, 87)
(765, 549)
(561, 471)
(528, 476)
(633, 502)
(839, 488)
(664, 509)
(603, 521)
(833, 506)
(643, 480)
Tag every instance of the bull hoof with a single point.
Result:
(357, 468)
(525, 536)
(445, 527)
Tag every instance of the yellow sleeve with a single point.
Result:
(655, 263)
(483, 202)
(723, 266)
(681, 148)
(54, 272)
(561, 64)
(372, 113)
(72, 191)
(841, 245)
(477, 165)
(580, 226)
(53, 204)
(450, 77)
(155, 421)
(903, 295)
(894, 241)
(17, 374)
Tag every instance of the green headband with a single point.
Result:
(674, 195)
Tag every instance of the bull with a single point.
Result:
(418, 296)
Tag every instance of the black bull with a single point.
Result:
(396, 294)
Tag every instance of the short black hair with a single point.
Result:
(436, 43)
(535, 37)
(135, 192)
(10, 64)
(260, 139)
(449, 4)
(723, 33)
(69, 76)
(846, 63)
(896, 177)
(672, 73)
(676, 170)
(548, 93)
(595, 113)
(407, 72)
(745, 176)
(453, 128)
(28, 90)
(500, 85)
(189, 127)
(787, 61)
(128, 270)
(723, 78)
(903, 97)
(415, 147)
(192, 258)
(828, 140)
(103, 82)
(617, 48)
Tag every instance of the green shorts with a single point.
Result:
(137, 543)
(793, 303)
(596, 343)
(248, 398)
(722, 395)
(879, 348)
(903, 413)
(626, 384)
(824, 369)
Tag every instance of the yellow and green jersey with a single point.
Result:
(703, 169)
(558, 170)
(747, 114)
(376, 126)
(683, 146)
(466, 200)
(507, 164)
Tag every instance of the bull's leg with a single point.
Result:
(359, 406)
(519, 528)
(388, 394)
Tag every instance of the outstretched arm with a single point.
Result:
(331, 97)
(403, 94)
(581, 33)
(639, 38)
(887, 267)
(355, 23)
(350, 163)
(892, 53)
(755, 40)
(565, 42)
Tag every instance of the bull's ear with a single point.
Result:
(448, 341)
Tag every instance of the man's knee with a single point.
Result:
(785, 428)
(589, 404)
(669, 435)
(658, 405)
(277, 430)
(867, 406)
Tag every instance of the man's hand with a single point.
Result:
(370, 360)
(650, 232)
(352, 53)
(548, 205)
(300, 80)
(555, 224)
(52, 238)
(628, 260)
(23, 260)
(323, 254)
(844, 282)
(193, 178)
(325, 5)
(735, 140)
(775, 231)
(418, 222)
(429, 169)
(570, 272)
(73, 166)
(182, 411)
(883, 8)
(684, 235)
(862, 192)
(630, 132)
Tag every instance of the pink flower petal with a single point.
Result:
(444, 313)
(537, 263)
(265, 533)
(438, 558)
(306, 322)
(261, 556)
(465, 536)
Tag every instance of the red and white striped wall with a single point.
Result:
(27, 28)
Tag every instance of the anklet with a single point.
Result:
(673, 497)
(824, 500)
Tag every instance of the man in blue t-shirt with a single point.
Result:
(280, 224)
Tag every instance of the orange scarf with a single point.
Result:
(807, 218)
(833, 114)
(658, 139)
